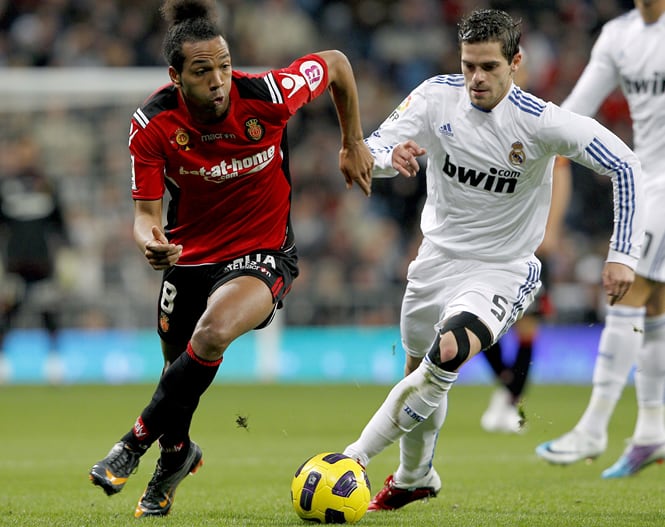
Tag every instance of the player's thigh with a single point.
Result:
(234, 308)
(425, 296)
(182, 299)
(497, 294)
(437, 288)
(275, 269)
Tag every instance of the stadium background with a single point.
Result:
(74, 71)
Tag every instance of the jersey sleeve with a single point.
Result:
(587, 142)
(405, 122)
(599, 78)
(147, 164)
(301, 82)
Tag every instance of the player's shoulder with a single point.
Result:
(163, 99)
(259, 86)
(441, 89)
(281, 84)
(621, 23)
(527, 104)
(445, 82)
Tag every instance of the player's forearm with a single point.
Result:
(344, 93)
(146, 215)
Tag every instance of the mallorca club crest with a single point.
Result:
(164, 323)
(180, 140)
(254, 130)
(517, 156)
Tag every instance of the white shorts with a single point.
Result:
(438, 287)
(652, 260)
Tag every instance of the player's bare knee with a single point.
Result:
(452, 345)
(210, 342)
(448, 346)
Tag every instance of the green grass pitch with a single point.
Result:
(51, 436)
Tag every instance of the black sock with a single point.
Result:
(520, 369)
(172, 457)
(174, 401)
(494, 358)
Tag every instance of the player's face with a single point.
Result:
(487, 73)
(205, 81)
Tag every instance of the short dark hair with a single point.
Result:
(189, 21)
(491, 25)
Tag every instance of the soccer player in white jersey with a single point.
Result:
(629, 53)
(490, 148)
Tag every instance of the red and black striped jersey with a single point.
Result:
(229, 182)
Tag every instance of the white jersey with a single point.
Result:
(489, 173)
(629, 53)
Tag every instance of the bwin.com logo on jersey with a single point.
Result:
(446, 129)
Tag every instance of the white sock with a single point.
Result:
(619, 342)
(650, 383)
(409, 403)
(417, 447)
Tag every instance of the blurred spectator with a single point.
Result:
(291, 32)
(32, 230)
(410, 44)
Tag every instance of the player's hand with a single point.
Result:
(404, 158)
(160, 253)
(356, 163)
(617, 279)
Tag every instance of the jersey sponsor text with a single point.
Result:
(654, 85)
(234, 167)
(256, 262)
(494, 180)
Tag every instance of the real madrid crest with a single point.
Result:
(254, 129)
(181, 139)
(517, 156)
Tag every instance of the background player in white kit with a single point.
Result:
(490, 149)
(629, 53)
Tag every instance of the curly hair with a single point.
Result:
(491, 25)
(189, 21)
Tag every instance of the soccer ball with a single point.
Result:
(330, 488)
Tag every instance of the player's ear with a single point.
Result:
(516, 62)
(175, 76)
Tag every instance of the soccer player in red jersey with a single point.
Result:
(215, 139)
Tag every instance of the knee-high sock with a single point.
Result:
(514, 377)
(174, 401)
(409, 403)
(650, 383)
(619, 342)
(520, 369)
(494, 357)
(417, 447)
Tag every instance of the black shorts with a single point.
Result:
(185, 289)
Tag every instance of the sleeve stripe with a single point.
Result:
(451, 80)
(141, 118)
(625, 190)
(525, 103)
(274, 90)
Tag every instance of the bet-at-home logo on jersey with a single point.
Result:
(232, 168)
(494, 180)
